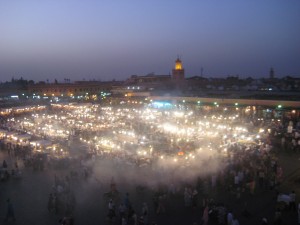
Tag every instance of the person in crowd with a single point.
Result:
(195, 198)
(123, 221)
(66, 221)
(145, 213)
(111, 210)
(221, 214)
(264, 221)
(122, 211)
(278, 217)
(134, 218)
(161, 206)
(10, 215)
(298, 211)
(292, 204)
(235, 222)
(51, 203)
(187, 197)
(127, 200)
(155, 202)
(205, 216)
(130, 211)
(4, 164)
(229, 218)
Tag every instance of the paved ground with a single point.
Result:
(30, 196)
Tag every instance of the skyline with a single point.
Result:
(109, 40)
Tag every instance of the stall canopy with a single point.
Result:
(41, 143)
(23, 137)
(3, 132)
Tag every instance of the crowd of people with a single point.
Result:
(245, 170)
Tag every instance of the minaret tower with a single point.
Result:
(271, 73)
(178, 71)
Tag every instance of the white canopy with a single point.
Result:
(41, 143)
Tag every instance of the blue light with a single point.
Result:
(161, 105)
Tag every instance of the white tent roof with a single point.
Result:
(3, 131)
(24, 136)
(41, 142)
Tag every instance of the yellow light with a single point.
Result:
(261, 130)
(178, 65)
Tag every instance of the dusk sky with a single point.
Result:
(105, 39)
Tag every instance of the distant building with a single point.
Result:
(152, 80)
(178, 71)
(71, 89)
(174, 84)
(148, 79)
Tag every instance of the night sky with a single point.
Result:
(105, 39)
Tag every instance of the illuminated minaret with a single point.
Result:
(178, 71)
